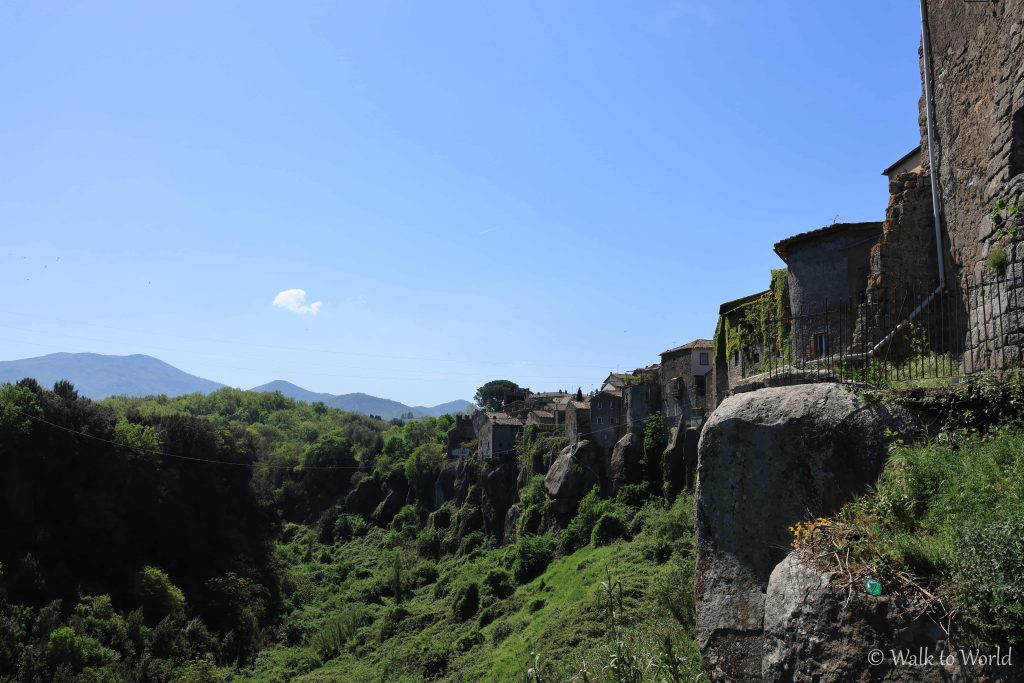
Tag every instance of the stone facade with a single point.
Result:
(747, 356)
(686, 382)
(977, 59)
(642, 397)
(828, 268)
(497, 433)
(607, 420)
(577, 421)
(461, 437)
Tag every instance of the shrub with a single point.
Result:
(331, 637)
(199, 671)
(672, 588)
(65, 647)
(471, 542)
(503, 629)
(423, 573)
(466, 601)
(531, 556)
(610, 527)
(392, 619)
(158, 596)
(498, 583)
(468, 641)
(989, 567)
(429, 542)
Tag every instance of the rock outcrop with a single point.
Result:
(768, 459)
(575, 471)
(816, 628)
(454, 480)
(497, 493)
(625, 466)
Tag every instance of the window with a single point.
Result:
(1017, 144)
(821, 344)
(701, 386)
(600, 420)
(735, 357)
(703, 357)
(757, 357)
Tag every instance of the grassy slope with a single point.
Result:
(952, 513)
(560, 615)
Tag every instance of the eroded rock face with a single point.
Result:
(816, 628)
(454, 480)
(511, 517)
(625, 462)
(497, 493)
(766, 460)
(574, 472)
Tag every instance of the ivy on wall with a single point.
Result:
(756, 321)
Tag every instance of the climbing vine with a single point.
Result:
(748, 324)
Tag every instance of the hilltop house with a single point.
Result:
(607, 421)
(828, 269)
(686, 382)
(497, 434)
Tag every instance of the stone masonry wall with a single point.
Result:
(978, 68)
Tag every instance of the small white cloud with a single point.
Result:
(294, 300)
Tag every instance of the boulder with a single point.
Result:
(817, 628)
(574, 472)
(625, 466)
(766, 460)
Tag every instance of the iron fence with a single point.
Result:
(893, 336)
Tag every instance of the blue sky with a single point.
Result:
(540, 191)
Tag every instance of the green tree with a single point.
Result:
(157, 595)
(491, 395)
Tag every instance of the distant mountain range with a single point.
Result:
(363, 403)
(99, 376)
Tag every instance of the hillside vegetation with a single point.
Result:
(946, 517)
(242, 536)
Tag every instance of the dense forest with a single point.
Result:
(242, 536)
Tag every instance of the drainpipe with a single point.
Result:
(926, 47)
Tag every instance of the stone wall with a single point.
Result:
(978, 68)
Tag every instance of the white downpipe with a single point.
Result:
(930, 121)
(934, 175)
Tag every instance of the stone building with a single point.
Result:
(686, 382)
(641, 397)
(735, 357)
(828, 270)
(497, 434)
(461, 437)
(577, 421)
(977, 74)
(607, 420)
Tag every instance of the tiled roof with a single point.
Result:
(782, 247)
(581, 405)
(695, 344)
(504, 419)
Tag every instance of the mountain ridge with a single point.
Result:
(98, 376)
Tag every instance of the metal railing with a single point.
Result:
(896, 336)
